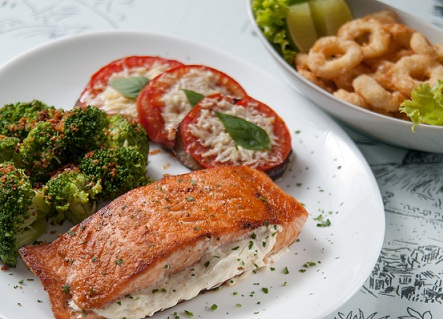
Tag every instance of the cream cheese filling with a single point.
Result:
(218, 265)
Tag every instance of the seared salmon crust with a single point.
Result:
(125, 246)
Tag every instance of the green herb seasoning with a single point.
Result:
(307, 265)
(66, 288)
(322, 222)
(325, 223)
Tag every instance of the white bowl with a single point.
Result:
(428, 138)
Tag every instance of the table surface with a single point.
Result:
(410, 263)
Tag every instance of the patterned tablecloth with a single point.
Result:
(406, 282)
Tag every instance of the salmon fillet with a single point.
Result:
(155, 236)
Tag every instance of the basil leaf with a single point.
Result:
(129, 87)
(244, 133)
(193, 97)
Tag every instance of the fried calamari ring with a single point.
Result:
(380, 75)
(439, 51)
(310, 76)
(369, 34)
(301, 60)
(351, 97)
(383, 16)
(421, 45)
(377, 96)
(345, 81)
(331, 57)
(410, 71)
(301, 64)
(400, 34)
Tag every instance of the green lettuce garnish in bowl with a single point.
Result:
(425, 105)
(270, 16)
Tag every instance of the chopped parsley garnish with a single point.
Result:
(322, 222)
(307, 265)
(188, 313)
(66, 288)
(325, 223)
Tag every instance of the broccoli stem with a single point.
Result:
(30, 233)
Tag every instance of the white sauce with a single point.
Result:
(218, 265)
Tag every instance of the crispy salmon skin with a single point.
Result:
(158, 231)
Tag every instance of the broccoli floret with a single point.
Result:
(84, 129)
(124, 131)
(42, 151)
(20, 118)
(118, 169)
(70, 195)
(22, 212)
(9, 149)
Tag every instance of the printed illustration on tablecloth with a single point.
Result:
(410, 267)
(55, 18)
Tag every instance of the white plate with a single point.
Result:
(329, 175)
(387, 129)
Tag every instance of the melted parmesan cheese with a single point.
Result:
(113, 102)
(211, 134)
(218, 265)
(176, 103)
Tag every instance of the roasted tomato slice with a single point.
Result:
(162, 104)
(100, 94)
(207, 139)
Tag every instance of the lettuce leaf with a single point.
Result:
(425, 105)
(270, 16)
